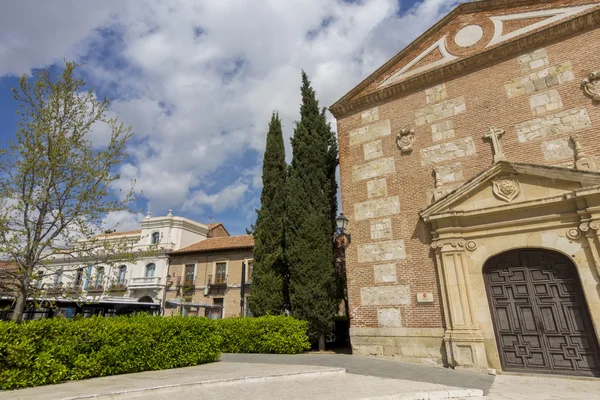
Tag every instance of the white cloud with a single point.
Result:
(198, 80)
(122, 221)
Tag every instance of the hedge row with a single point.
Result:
(279, 335)
(48, 351)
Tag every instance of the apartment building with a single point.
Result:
(71, 286)
(211, 277)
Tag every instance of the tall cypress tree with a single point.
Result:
(269, 292)
(310, 214)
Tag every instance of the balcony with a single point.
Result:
(119, 286)
(144, 282)
(95, 287)
(217, 281)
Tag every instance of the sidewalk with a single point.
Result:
(373, 366)
(538, 387)
(231, 380)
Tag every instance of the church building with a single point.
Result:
(470, 175)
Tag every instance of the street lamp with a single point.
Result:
(342, 223)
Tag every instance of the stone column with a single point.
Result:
(463, 339)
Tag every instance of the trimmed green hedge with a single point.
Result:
(269, 334)
(48, 351)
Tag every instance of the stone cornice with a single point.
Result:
(562, 30)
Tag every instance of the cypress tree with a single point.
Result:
(310, 218)
(268, 291)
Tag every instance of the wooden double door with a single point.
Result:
(541, 319)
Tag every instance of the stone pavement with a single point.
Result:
(230, 380)
(541, 387)
(373, 366)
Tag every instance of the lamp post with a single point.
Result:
(341, 242)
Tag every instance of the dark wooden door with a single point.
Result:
(540, 316)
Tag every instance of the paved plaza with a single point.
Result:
(314, 376)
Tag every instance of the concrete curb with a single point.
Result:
(220, 382)
(432, 394)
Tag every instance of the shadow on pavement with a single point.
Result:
(374, 367)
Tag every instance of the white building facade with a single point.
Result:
(138, 283)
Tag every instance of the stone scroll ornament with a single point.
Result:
(405, 140)
(591, 86)
(506, 188)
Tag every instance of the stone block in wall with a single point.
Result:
(370, 132)
(385, 273)
(377, 188)
(442, 152)
(451, 172)
(373, 149)
(385, 295)
(373, 169)
(376, 208)
(381, 251)
(443, 130)
(558, 149)
(389, 318)
(540, 80)
(443, 110)
(553, 124)
(370, 115)
(436, 93)
(531, 61)
(381, 229)
(437, 193)
(545, 102)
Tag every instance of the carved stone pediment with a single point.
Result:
(507, 186)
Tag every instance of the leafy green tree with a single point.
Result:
(269, 276)
(55, 186)
(310, 218)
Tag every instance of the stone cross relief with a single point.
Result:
(494, 134)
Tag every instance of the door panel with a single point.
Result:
(540, 316)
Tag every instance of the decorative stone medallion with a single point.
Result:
(573, 233)
(591, 86)
(506, 188)
(468, 36)
(405, 140)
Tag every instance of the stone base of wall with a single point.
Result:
(419, 345)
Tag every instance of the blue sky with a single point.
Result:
(198, 80)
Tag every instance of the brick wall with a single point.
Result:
(534, 96)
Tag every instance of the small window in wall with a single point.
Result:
(78, 278)
(99, 277)
(122, 275)
(217, 311)
(248, 313)
(150, 270)
(250, 269)
(155, 237)
(221, 273)
(189, 275)
(58, 277)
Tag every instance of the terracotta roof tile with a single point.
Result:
(134, 232)
(219, 243)
(8, 265)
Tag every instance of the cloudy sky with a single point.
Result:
(198, 80)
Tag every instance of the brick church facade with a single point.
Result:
(470, 175)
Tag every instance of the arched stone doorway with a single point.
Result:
(540, 316)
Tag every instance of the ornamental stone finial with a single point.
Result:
(582, 161)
